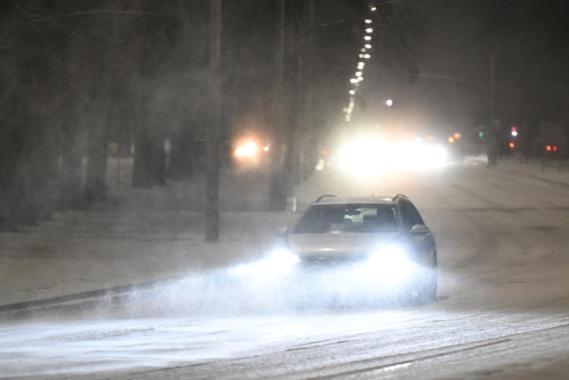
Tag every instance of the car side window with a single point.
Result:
(409, 216)
(418, 218)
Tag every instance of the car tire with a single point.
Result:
(430, 285)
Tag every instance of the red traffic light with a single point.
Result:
(512, 145)
(551, 148)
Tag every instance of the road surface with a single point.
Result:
(503, 310)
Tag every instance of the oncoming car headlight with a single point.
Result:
(282, 257)
(279, 261)
(390, 263)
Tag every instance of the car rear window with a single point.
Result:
(358, 218)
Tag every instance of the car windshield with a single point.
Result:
(357, 218)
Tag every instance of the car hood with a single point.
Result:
(337, 244)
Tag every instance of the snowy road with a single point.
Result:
(503, 311)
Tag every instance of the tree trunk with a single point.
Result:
(149, 160)
(70, 168)
(185, 156)
(213, 154)
(291, 175)
(277, 193)
(94, 189)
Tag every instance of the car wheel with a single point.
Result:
(430, 284)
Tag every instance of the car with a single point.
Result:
(385, 238)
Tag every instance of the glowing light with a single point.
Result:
(368, 46)
(359, 74)
(451, 139)
(457, 136)
(389, 102)
(352, 92)
(247, 150)
(368, 21)
(280, 261)
(361, 156)
(367, 38)
(391, 264)
(511, 145)
(367, 56)
(361, 65)
(373, 8)
(266, 148)
(368, 156)
(369, 30)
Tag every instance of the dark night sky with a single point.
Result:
(455, 38)
(528, 39)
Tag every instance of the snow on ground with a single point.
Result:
(139, 236)
(549, 169)
(504, 300)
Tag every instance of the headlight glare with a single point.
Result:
(390, 262)
(280, 261)
(283, 257)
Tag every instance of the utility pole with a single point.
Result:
(492, 91)
(277, 191)
(493, 135)
(312, 145)
(295, 112)
(214, 128)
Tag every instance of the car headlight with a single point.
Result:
(280, 261)
(282, 257)
(390, 263)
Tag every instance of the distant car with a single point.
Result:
(386, 237)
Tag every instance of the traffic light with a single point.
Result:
(514, 131)
(550, 148)
(512, 146)
(481, 135)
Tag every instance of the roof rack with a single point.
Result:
(399, 196)
(323, 196)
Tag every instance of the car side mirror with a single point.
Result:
(283, 232)
(419, 229)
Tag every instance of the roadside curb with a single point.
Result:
(564, 184)
(71, 303)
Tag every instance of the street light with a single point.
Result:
(389, 102)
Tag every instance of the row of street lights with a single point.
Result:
(364, 56)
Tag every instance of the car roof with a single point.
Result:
(383, 200)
